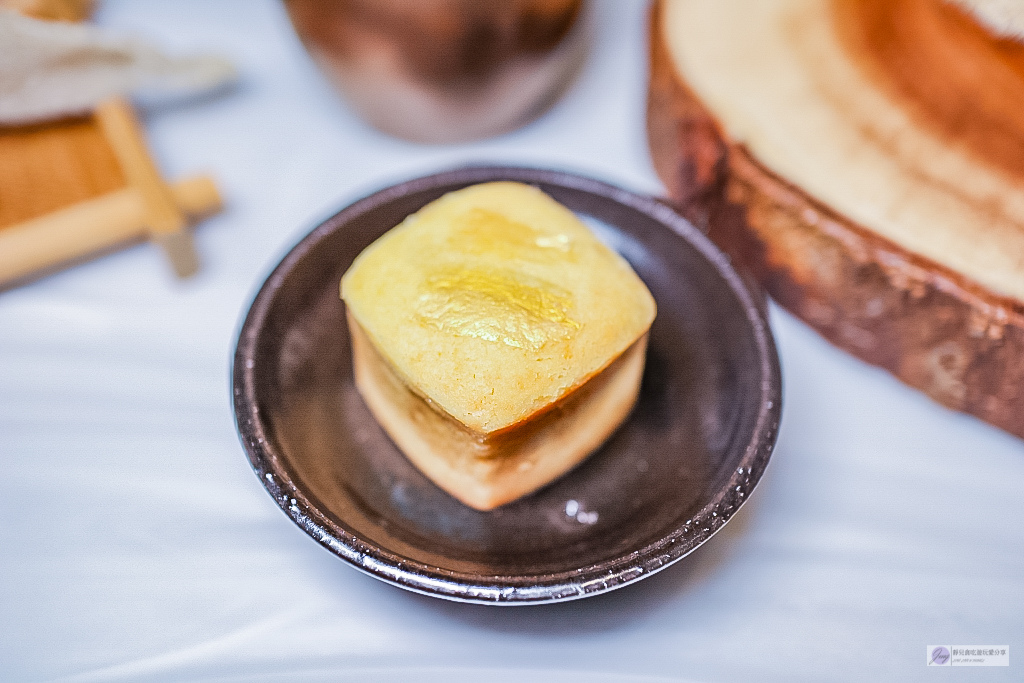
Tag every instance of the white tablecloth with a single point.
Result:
(136, 543)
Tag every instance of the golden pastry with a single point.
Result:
(496, 340)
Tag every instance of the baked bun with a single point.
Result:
(496, 340)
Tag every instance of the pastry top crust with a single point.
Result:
(494, 302)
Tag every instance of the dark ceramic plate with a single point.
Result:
(670, 477)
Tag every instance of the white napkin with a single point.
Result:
(1004, 17)
(54, 69)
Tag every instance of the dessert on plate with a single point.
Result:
(865, 159)
(496, 340)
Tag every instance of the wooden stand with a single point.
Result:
(77, 188)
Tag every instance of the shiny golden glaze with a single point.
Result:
(499, 305)
(479, 231)
(959, 80)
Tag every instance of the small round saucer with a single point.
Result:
(682, 464)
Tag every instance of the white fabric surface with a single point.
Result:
(136, 543)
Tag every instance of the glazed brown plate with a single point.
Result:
(682, 464)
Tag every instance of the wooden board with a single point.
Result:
(52, 166)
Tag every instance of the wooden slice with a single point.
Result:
(865, 160)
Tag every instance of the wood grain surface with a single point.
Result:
(936, 330)
(48, 167)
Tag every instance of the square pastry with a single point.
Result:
(496, 340)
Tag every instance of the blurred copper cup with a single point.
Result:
(445, 70)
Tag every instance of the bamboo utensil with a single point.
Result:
(93, 226)
(164, 219)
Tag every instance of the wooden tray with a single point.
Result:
(79, 187)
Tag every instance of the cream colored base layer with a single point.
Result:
(487, 470)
